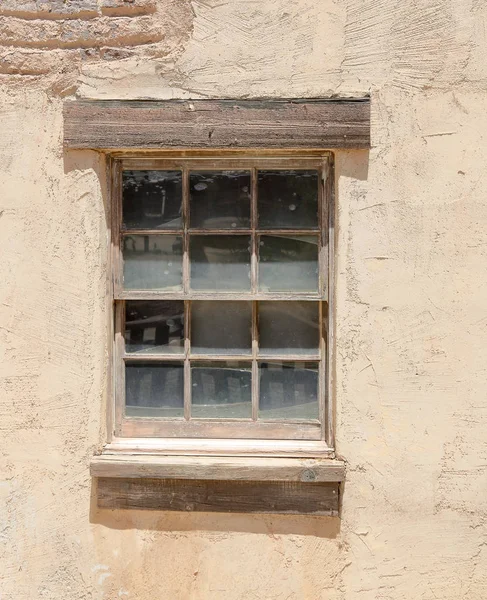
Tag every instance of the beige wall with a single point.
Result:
(411, 299)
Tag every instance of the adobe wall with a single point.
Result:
(411, 299)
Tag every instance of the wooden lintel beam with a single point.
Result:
(217, 124)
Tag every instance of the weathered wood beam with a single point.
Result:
(218, 467)
(217, 124)
(283, 497)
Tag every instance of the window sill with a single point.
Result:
(219, 484)
(219, 468)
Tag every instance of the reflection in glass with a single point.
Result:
(154, 389)
(221, 327)
(154, 326)
(288, 327)
(220, 262)
(152, 200)
(219, 199)
(288, 263)
(288, 199)
(221, 390)
(288, 390)
(152, 262)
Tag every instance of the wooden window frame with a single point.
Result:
(224, 436)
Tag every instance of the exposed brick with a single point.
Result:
(115, 53)
(78, 33)
(54, 39)
(69, 6)
(19, 6)
(61, 7)
(20, 62)
(127, 3)
(127, 7)
(34, 62)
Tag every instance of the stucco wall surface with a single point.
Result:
(411, 299)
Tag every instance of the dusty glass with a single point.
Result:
(220, 262)
(152, 200)
(219, 199)
(221, 327)
(288, 263)
(154, 389)
(153, 327)
(288, 328)
(288, 199)
(152, 262)
(288, 390)
(221, 390)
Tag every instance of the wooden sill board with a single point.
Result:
(261, 497)
(218, 468)
(218, 124)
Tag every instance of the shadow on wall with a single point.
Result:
(171, 522)
(83, 161)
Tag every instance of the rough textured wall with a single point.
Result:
(411, 298)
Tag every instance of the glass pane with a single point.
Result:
(288, 263)
(219, 199)
(154, 327)
(220, 262)
(221, 390)
(152, 262)
(288, 327)
(154, 389)
(288, 199)
(152, 200)
(221, 327)
(288, 390)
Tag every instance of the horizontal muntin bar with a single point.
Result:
(161, 295)
(236, 231)
(128, 357)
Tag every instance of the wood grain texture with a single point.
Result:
(217, 124)
(219, 496)
(217, 429)
(218, 468)
(219, 447)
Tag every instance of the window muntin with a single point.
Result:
(209, 258)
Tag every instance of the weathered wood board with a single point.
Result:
(217, 124)
(219, 496)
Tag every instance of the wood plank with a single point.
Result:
(217, 124)
(280, 159)
(219, 447)
(218, 429)
(283, 497)
(218, 468)
(262, 357)
(329, 316)
(171, 295)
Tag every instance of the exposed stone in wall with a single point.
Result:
(63, 8)
(55, 38)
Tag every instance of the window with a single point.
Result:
(222, 275)
(222, 281)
